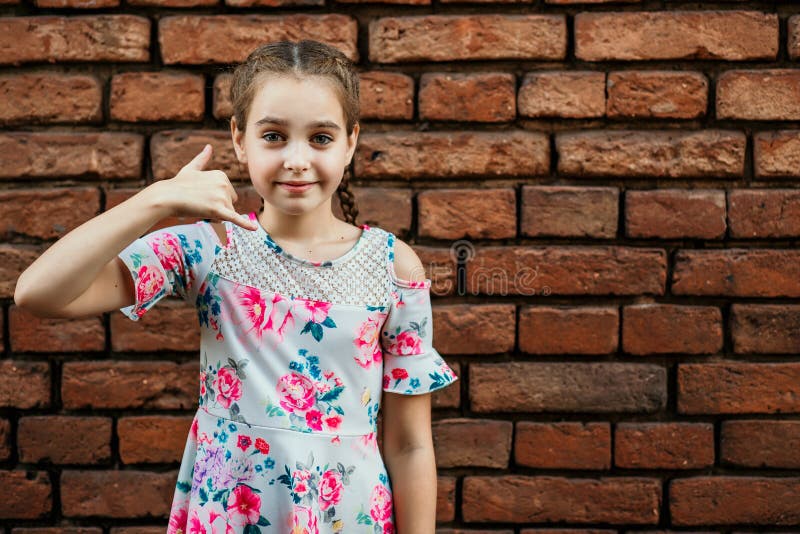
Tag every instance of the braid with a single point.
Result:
(346, 198)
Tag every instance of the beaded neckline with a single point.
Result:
(271, 243)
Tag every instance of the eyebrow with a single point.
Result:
(283, 122)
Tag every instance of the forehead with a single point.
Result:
(298, 100)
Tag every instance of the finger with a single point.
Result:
(241, 220)
(201, 159)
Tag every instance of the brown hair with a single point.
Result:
(310, 58)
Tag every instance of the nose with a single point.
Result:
(296, 159)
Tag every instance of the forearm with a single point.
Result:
(413, 478)
(69, 266)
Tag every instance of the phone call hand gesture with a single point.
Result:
(206, 194)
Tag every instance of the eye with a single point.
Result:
(321, 136)
(268, 134)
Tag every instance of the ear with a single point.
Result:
(238, 141)
(352, 141)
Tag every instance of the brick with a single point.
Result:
(138, 529)
(570, 330)
(386, 207)
(761, 213)
(252, 30)
(671, 328)
(50, 98)
(575, 2)
(445, 498)
(564, 445)
(467, 213)
(24, 384)
(569, 94)
(567, 387)
(759, 443)
(157, 96)
(440, 267)
(472, 442)
(765, 328)
(793, 44)
(737, 272)
(170, 150)
(120, 384)
(386, 95)
(738, 388)
(59, 530)
(5, 439)
(631, 36)
(664, 445)
(77, 4)
(474, 97)
(46, 213)
(490, 326)
(63, 155)
(657, 94)
(116, 494)
(675, 214)
(292, 4)
(165, 327)
(14, 259)
(566, 270)
(152, 438)
(64, 439)
(119, 38)
(525, 499)
(727, 500)
(569, 211)
(767, 94)
(30, 333)
(412, 155)
(462, 37)
(663, 154)
(776, 154)
(25, 494)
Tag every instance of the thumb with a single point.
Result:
(200, 160)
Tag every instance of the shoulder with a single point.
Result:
(221, 231)
(407, 265)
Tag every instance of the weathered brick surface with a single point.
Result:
(604, 194)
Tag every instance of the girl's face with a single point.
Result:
(295, 133)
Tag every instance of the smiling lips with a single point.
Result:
(296, 187)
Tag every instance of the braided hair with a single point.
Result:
(305, 57)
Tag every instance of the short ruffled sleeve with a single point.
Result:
(169, 261)
(411, 365)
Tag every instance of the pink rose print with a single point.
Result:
(149, 282)
(228, 387)
(195, 525)
(333, 422)
(244, 506)
(296, 392)
(244, 442)
(262, 318)
(330, 489)
(304, 521)
(367, 341)
(168, 251)
(203, 376)
(178, 519)
(300, 479)
(314, 419)
(399, 373)
(407, 343)
(193, 429)
(311, 310)
(262, 446)
(380, 504)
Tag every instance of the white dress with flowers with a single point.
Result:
(294, 357)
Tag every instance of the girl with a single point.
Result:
(309, 324)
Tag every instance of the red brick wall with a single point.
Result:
(625, 318)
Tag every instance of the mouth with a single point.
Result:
(296, 186)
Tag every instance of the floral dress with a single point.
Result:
(294, 357)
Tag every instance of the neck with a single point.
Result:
(311, 227)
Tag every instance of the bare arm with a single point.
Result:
(67, 269)
(81, 275)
